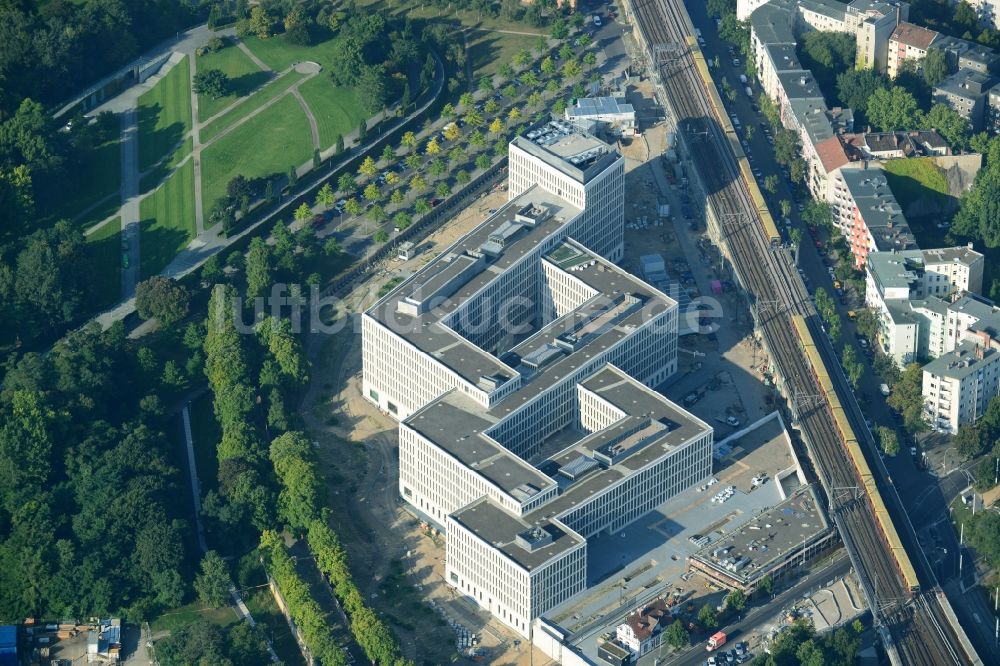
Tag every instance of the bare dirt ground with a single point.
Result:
(398, 564)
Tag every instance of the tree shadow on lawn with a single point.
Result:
(156, 142)
(103, 259)
(159, 246)
(243, 85)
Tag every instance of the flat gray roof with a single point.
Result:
(564, 146)
(773, 23)
(425, 331)
(812, 115)
(600, 106)
(501, 528)
(767, 538)
(961, 362)
(784, 57)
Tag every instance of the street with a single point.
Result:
(757, 617)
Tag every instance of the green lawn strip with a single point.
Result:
(97, 177)
(205, 435)
(260, 98)
(268, 143)
(104, 256)
(467, 18)
(260, 602)
(490, 50)
(337, 110)
(168, 220)
(155, 176)
(194, 612)
(244, 78)
(278, 53)
(164, 114)
(916, 179)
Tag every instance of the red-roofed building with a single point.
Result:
(908, 42)
(642, 631)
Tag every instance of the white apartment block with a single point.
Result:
(911, 292)
(518, 364)
(958, 386)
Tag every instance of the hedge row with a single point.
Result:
(306, 613)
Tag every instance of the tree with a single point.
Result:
(707, 617)
(372, 89)
(786, 207)
(258, 268)
(893, 109)
(261, 23)
(827, 54)
(818, 214)
(296, 467)
(442, 190)
(466, 100)
(935, 66)
(372, 192)
(162, 298)
(303, 212)
(496, 126)
(771, 183)
(483, 162)
(462, 176)
(418, 184)
(474, 119)
(339, 145)
(381, 236)
(978, 215)
(766, 584)
(212, 584)
(888, 440)
(396, 197)
(409, 140)
(548, 66)
(452, 132)
(368, 167)
(362, 131)
(401, 220)
(559, 29)
(571, 69)
(852, 366)
(522, 58)
(677, 635)
(590, 59)
(907, 398)
(970, 441)
(325, 196)
(491, 106)
(388, 154)
(212, 82)
(432, 147)
(954, 128)
(736, 600)
(447, 111)
(345, 183)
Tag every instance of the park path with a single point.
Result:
(199, 214)
(208, 244)
(250, 54)
(313, 128)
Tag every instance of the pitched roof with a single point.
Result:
(831, 154)
(913, 35)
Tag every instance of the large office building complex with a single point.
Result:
(518, 363)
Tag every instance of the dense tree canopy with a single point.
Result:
(894, 108)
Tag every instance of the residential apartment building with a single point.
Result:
(908, 42)
(991, 117)
(966, 91)
(518, 364)
(868, 214)
(911, 293)
(958, 386)
(873, 22)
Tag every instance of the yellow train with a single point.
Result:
(719, 110)
(856, 455)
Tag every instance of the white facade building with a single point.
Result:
(911, 292)
(518, 364)
(958, 386)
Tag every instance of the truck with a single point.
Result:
(716, 640)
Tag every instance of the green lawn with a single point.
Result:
(337, 110)
(244, 77)
(194, 612)
(205, 434)
(104, 256)
(168, 220)
(164, 114)
(280, 54)
(268, 143)
(273, 89)
(154, 176)
(489, 50)
(917, 181)
(95, 179)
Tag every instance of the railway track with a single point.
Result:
(917, 626)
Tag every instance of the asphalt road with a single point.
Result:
(757, 617)
(924, 496)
